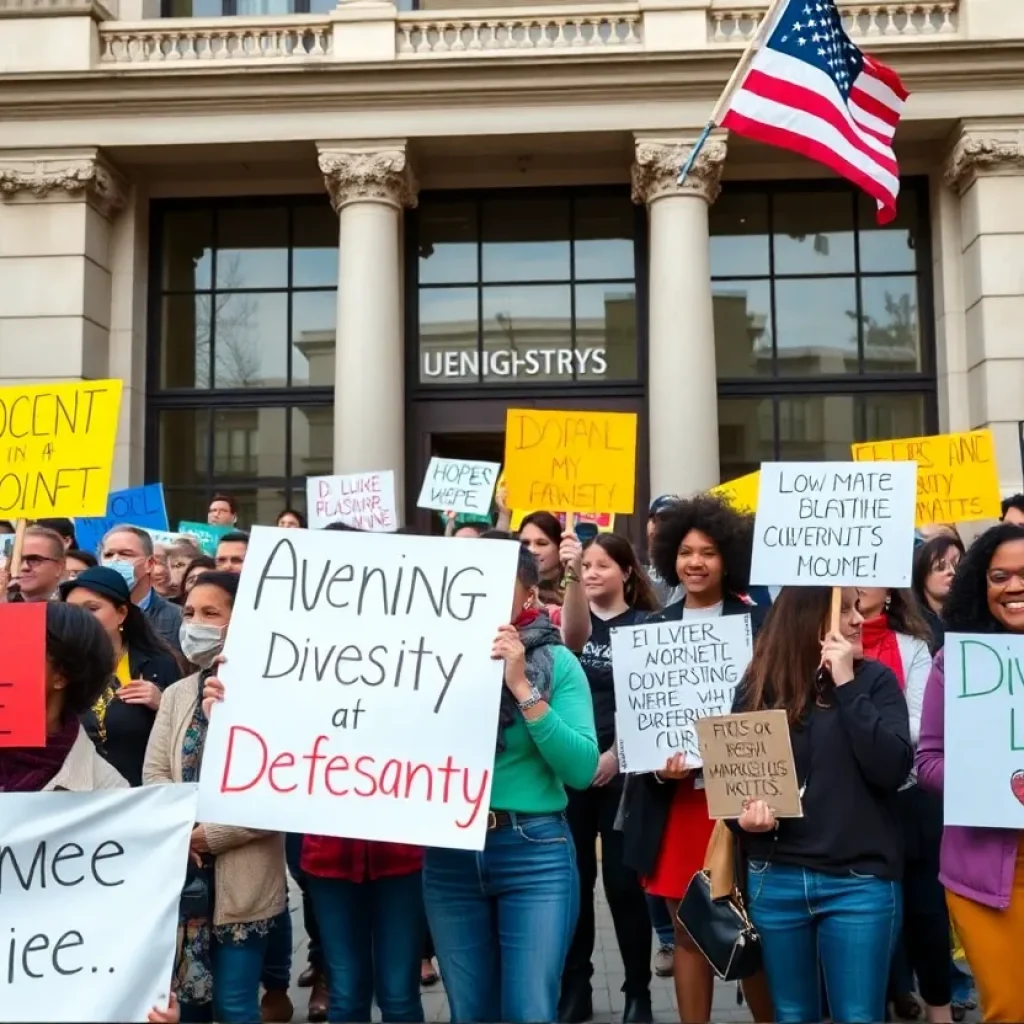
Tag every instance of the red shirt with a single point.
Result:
(358, 860)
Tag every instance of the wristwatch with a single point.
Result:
(532, 700)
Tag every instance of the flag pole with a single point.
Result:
(738, 74)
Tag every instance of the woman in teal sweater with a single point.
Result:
(502, 919)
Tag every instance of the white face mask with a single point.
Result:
(200, 643)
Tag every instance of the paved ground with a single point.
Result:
(608, 979)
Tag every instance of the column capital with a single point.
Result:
(55, 175)
(376, 172)
(980, 148)
(657, 163)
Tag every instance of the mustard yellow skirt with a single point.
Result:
(993, 941)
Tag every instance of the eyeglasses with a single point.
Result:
(1002, 577)
(34, 561)
(944, 565)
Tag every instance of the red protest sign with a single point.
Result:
(23, 675)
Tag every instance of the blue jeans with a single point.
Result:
(293, 855)
(371, 940)
(842, 928)
(502, 920)
(661, 920)
(237, 967)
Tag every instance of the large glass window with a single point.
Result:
(822, 322)
(528, 288)
(243, 342)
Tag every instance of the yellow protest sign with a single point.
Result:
(570, 461)
(57, 448)
(957, 478)
(741, 493)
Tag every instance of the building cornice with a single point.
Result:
(76, 174)
(657, 164)
(367, 173)
(984, 150)
(54, 9)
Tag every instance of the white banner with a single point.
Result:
(669, 674)
(984, 773)
(361, 698)
(459, 485)
(835, 524)
(363, 500)
(89, 891)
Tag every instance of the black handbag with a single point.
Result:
(714, 915)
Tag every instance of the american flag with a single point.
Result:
(810, 90)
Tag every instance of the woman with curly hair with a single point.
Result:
(704, 545)
(981, 868)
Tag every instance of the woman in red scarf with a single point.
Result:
(896, 634)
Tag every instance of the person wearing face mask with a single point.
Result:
(235, 886)
(823, 890)
(129, 551)
(120, 720)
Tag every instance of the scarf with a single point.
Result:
(880, 644)
(29, 769)
(539, 637)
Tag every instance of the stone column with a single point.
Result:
(370, 185)
(682, 390)
(986, 170)
(55, 234)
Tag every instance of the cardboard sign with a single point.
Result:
(85, 878)
(459, 485)
(984, 776)
(134, 506)
(668, 675)
(604, 521)
(834, 524)
(573, 461)
(365, 501)
(741, 493)
(361, 699)
(57, 448)
(23, 675)
(205, 535)
(957, 477)
(749, 757)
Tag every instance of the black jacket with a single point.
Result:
(128, 725)
(165, 618)
(647, 801)
(852, 755)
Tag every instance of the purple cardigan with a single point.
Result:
(974, 862)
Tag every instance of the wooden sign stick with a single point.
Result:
(837, 607)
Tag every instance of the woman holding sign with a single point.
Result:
(502, 919)
(235, 886)
(704, 545)
(982, 868)
(823, 890)
(618, 594)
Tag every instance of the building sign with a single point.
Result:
(529, 363)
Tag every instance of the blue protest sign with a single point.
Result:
(135, 506)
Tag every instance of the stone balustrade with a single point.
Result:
(371, 31)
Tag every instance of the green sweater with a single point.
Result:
(557, 750)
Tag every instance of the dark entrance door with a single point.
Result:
(471, 428)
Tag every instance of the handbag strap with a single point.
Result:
(720, 861)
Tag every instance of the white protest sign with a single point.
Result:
(361, 697)
(669, 674)
(984, 774)
(363, 500)
(166, 538)
(459, 485)
(836, 524)
(89, 890)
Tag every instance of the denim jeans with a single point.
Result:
(661, 920)
(503, 919)
(237, 967)
(293, 855)
(842, 928)
(276, 975)
(371, 938)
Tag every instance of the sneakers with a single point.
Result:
(664, 961)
